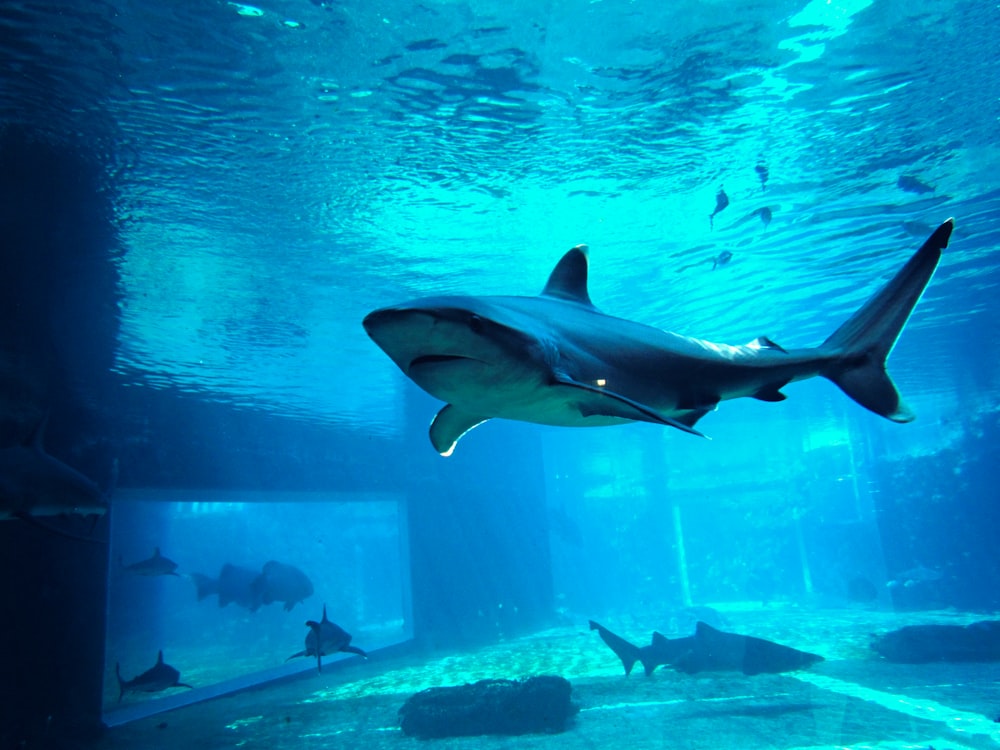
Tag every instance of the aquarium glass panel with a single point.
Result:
(223, 583)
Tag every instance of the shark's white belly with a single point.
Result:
(522, 393)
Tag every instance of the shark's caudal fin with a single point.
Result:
(863, 343)
(627, 652)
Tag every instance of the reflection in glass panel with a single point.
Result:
(223, 582)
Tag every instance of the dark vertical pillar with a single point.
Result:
(479, 551)
(59, 323)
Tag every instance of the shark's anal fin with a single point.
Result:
(771, 393)
(448, 427)
(615, 405)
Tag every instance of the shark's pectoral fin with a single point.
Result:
(611, 404)
(448, 427)
(691, 418)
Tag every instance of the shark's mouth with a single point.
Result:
(436, 359)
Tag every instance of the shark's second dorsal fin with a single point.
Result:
(568, 279)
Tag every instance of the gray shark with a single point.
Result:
(708, 650)
(325, 638)
(157, 565)
(34, 484)
(160, 676)
(556, 359)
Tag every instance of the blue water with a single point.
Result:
(282, 170)
(271, 173)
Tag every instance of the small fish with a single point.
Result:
(762, 173)
(911, 184)
(157, 565)
(764, 214)
(721, 201)
(325, 638)
(157, 678)
(721, 259)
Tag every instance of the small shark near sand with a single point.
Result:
(325, 638)
(708, 650)
(33, 484)
(157, 678)
(556, 359)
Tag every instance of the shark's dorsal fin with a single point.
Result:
(156, 552)
(159, 658)
(568, 280)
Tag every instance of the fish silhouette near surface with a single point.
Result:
(762, 175)
(721, 201)
(161, 676)
(556, 359)
(325, 638)
(157, 565)
(721, 259)
(912, 184)
(708, 650)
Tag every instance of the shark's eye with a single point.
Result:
(476, 324)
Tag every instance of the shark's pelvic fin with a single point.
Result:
(864, 342)
(448, 427)
(568, 279)
(613, 404)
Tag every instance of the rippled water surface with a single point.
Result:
(282, 169)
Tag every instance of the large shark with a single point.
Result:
(556, 359)
(34, 484)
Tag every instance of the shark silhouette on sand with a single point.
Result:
(556, 359)
(708, 650)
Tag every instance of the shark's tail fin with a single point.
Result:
(862, 344)
(121, 682)
(627, 652)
